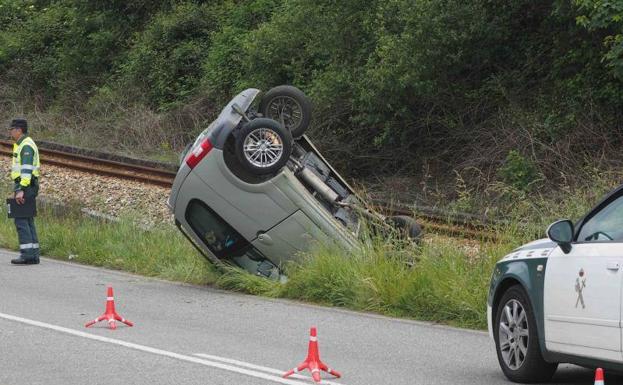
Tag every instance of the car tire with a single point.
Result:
(289, 106)
(263, 146)
(517, 345)
(406, 225)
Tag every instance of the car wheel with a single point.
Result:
(406, 225)
(289, 106)
(263, 146)
(516, 340)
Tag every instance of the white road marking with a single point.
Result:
(148, 349)
(258, 367)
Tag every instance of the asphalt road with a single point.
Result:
(195, 335)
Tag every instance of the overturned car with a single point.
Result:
(253, 190)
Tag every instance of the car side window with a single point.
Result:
(218, 235)
(606, 225)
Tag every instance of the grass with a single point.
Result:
(437, 281)
(442, 279)
(160, 252)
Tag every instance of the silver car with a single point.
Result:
(253, 190)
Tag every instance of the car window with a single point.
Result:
(222, 240)
(606, 225)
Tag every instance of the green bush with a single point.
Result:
(606, 18)
(164, 63)
(62, 50)
(394, 84)
(519, 171)
(226, 68)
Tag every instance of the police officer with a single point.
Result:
(25, 174)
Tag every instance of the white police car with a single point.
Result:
(559, 299)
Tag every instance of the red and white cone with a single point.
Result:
(599, 376)
(110, 314)
(312, 362)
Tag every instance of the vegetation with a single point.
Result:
(160, 252)
(407, 86)
(500, 107)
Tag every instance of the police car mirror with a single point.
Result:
(561, 232)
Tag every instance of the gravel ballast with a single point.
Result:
(143, 202)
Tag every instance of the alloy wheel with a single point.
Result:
(263, 147)
(513, 334)
(285, 110)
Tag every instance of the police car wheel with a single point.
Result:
(516, 340)
(263, 146)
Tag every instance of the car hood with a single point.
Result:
(540, 248)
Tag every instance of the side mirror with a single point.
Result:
(561, 232)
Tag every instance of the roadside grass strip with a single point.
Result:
(243, 368)
(439, 280)
(158, 252)
(442, 279)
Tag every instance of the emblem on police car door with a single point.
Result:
(580, 284)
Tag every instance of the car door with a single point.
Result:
(296, 233)
(582, 291)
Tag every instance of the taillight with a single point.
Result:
(198, 153)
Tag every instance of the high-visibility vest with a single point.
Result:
(26, 171)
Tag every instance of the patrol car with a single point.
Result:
(558, 300)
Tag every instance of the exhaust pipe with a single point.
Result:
(318, 185)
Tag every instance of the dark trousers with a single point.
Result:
(27, 235)
(26, 230)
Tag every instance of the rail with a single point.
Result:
(98, 163)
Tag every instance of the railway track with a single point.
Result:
(443, 222)
(100, 163)
(163, 174)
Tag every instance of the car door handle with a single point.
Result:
(613, 266)
(265, 239)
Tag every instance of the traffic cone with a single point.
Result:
(599, 376)
(110, 314)
(312, 362)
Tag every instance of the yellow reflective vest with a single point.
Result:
(22, 170)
